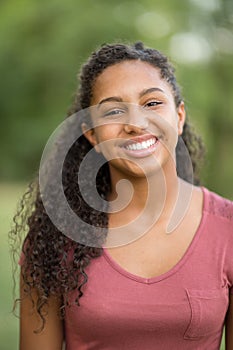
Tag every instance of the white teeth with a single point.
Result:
(141, 145)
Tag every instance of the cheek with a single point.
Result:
(107, 132)
(173, 123)
(170, 133)
(106, 140)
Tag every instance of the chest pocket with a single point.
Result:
(208, 309)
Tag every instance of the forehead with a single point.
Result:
(127, 78)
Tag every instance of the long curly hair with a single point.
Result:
(52, 263)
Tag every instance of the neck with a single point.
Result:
(157, 192)
(138, 204)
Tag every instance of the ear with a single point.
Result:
(181, 117)
(90, 135)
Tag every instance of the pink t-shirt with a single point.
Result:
(183, 308)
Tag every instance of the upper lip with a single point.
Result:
(138, 139)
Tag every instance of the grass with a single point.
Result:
(10, 194)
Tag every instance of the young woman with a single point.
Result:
(153, 269)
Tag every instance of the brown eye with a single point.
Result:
(152, 104)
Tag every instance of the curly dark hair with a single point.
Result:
(53, 263)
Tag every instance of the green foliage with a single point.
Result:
(43, 44)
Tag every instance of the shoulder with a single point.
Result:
(217, 206)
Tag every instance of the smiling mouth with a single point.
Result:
(138, 145)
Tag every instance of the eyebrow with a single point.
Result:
(148, 91)
(119, 99)
(110, 99)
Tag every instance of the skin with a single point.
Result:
(139, 103)
(133, 84)
(133, 101)
(130, 108)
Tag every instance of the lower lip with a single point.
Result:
(140, 153)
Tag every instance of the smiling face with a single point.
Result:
(136, 122)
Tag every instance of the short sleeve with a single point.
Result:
(221, 211)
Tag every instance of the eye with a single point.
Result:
(114, 112)
(152, 104)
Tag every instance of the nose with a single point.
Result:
(136, 121)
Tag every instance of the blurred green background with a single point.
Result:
(42, 46)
